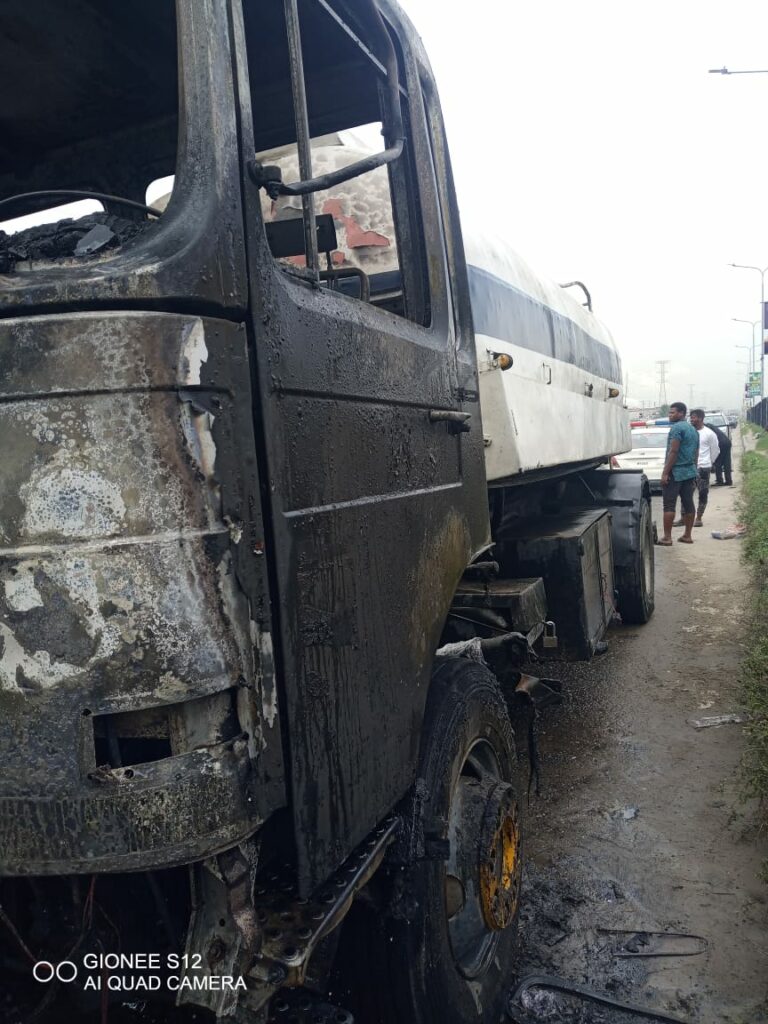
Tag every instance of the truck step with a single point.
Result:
(292, 926)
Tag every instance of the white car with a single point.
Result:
(649, 450)
(716, 418)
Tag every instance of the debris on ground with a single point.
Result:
(642, 943)
(710, 721)
(735, 530)
(521, 1001)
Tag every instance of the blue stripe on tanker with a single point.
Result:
(500, 310)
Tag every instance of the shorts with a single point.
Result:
(684, 490)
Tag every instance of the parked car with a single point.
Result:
(649, 450)
(717, 418)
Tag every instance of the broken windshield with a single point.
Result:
(98, 114)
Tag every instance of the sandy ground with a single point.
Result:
(640, 823)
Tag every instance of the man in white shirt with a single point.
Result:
(709, 449)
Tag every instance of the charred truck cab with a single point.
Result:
(243, 480)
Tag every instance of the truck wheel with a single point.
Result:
(636, 583)
(447, 953)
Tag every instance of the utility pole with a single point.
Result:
(661, 374)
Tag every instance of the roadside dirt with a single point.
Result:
(640, 823)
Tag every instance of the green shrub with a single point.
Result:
(754, 466)
(754, 513)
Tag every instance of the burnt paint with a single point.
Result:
(129, 581)
(374, 511)
(363, 552)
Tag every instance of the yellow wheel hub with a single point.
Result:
(500, 862)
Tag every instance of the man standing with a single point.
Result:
(709, 449)
(678, 479)
(722, 466)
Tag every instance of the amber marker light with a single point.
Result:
(502, 360)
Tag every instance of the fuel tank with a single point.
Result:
(138, 715)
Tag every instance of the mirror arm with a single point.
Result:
(270, 178)
(326, 181)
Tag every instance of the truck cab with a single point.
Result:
(235, 507)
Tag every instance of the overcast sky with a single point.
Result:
(591, 135)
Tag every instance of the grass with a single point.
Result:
(755, 666)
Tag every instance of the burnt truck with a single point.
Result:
(297, 478)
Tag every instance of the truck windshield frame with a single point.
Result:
(79, 137)
(177, 120)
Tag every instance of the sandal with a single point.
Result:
(664, 543)
(685, 540)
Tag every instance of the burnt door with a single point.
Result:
(372, 521)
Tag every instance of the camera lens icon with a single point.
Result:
(44, 971)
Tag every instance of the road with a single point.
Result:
(640, 824)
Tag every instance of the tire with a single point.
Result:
(636, 583)
(433, 958)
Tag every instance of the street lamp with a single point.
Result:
(753, 324)
(762, 273)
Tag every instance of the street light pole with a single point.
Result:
(762, 273)
(753, 324)
(748, 349)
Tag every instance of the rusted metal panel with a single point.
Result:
(130, 580)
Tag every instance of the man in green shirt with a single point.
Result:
(678, 478)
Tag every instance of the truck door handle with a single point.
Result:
(458, 422)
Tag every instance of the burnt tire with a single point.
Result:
(430, 957)
(636, 583)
